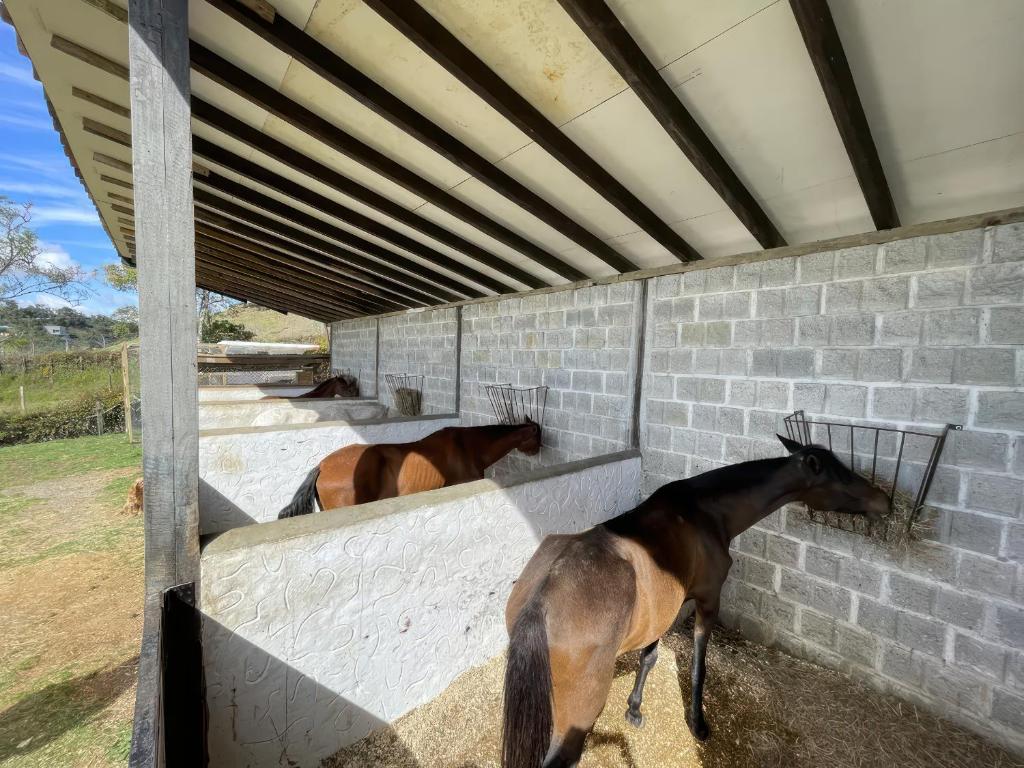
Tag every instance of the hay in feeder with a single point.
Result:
(898, 531)
(408, 402)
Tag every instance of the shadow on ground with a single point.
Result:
(44, 716)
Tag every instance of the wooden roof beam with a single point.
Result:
(606, 32)
(446, 49)
(321, 60)
(256, 91)
(818, 28)
(208, 204)
(324, 228)
(362, 295)
(260, 173)
(277, 280)
(246, 134)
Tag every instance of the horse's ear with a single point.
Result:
(791, 445)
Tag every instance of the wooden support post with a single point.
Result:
(165, 233)
(99, 418)
(126, 392)
(21, 397)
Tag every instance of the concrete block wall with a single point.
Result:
(354, 350)
(422, 343)
(914, 332)
(580, 344)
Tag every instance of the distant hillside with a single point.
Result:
(274, 326)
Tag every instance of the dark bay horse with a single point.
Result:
(357, 474)
(336, 386)
(584, 599)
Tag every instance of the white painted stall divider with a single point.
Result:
(227, 414)
(247, 475)
(322, 628)
(251, 391)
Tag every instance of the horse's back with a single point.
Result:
(350, 475)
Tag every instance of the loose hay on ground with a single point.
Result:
(765, 709)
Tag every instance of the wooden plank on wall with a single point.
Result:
(161, 125)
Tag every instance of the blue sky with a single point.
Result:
(33, 169)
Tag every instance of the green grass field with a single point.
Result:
(71, 587)
(42, 393)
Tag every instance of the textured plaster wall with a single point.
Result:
(247, 475)
(354, 351)
(913, 333)
(422, 343)
(579, 343)
(250, 392)
(317, 630)
(242, 413)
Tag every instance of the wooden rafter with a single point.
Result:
(259, 173)
(818, 29)
(359, 292)
(606, 32)
(254, 90)
(325, 228)
(442, 46)
(246, 134)
(290, 39)
(334, 259)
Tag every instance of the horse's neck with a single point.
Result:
(489, 444)
(744, 494)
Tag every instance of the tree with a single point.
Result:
(25, 270)
(126, 322)
(215, 329)
(121, 277)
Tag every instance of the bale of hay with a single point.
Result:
(133, 504)
(408, 402)
(898, 531)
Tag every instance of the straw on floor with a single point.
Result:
(766, 710)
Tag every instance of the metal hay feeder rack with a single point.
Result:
(514, 405)
(406, 392)
(864, 446)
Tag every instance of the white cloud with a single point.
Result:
(53, 255)
(45, 300)
(18, 74)
(64, 214)
(20, 121)
(31, 190)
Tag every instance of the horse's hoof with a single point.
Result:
(700, 729)
(634, 718)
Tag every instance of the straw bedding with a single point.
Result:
(765, 709)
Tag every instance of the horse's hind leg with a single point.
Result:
(648, 656)
(579, 697)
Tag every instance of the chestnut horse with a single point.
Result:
(336, 386)
(357, 474)
(584, 599)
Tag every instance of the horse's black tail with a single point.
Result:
(304, 500)
(526, 732)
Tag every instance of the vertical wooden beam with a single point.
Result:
(158, 49)
(818, 28)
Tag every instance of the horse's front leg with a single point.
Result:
(707, 615)
(648, 656)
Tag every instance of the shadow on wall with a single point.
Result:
(279, 723)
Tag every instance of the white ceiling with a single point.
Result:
(941, 82)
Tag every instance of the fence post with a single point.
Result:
(21, 397)
(126, 392)
(99, 418)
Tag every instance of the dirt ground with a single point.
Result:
(765, 708)
(71, 585)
